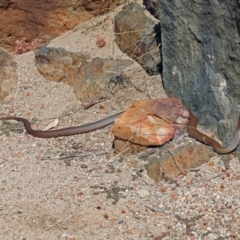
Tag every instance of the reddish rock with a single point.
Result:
(31, 19)
(150, 122)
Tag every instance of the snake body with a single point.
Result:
(191, 129)
(64, 131)
(193, 132)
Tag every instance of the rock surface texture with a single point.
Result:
(8, 75)
(201, 59)
(32, 19)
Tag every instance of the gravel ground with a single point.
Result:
(75, 187)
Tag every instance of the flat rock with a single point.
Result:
(178, 161)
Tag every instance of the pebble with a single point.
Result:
(143, 193)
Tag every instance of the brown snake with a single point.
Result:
(191, 129)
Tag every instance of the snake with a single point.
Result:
(191, 129)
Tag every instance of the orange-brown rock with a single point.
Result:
(150, 122)
(32, 19)
(179, 161)
(88, 77)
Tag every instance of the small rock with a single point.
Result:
(142, 193)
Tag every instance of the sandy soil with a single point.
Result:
(76, 188)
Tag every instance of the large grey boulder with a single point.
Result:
(201, 59)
